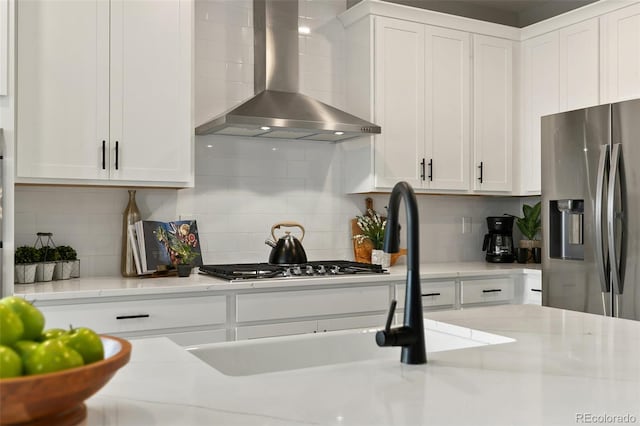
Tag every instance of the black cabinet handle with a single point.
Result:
(431, 169)
(481, 167)
(431, 294)
(493, 290)
(422, 173)
(537, 290)
(119, 317)
(116, 155)
(104, 149)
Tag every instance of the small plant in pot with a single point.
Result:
(49, 257)
(530, 224)
(372, 226)
(70, 259)
(26, 259)
(184, 255)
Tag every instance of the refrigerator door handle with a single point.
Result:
(616, 276)
(601, 256)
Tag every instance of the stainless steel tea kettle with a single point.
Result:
(287, 250)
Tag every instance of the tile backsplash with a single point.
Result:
(244, 186)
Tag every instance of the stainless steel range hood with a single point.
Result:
(278, 110)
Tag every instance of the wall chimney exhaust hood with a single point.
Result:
(278, 110)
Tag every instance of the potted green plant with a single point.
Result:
(530, 224)
(47, 263)
(372, 227)
(185, 255)
(69, 257)
(26, 259)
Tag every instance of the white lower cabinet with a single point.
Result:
(279, 329)
(487, 290)
(140, 317)
(435, 294)
(292, 307)
(306, 303)
(249, 314)
(532, 290)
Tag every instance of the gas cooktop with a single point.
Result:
(324, 268)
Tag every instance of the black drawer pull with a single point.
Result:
(103, 154)
(536, 290)
(431, 294)
(132, 316)
(493, 290)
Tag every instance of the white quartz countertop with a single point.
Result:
(562, 365)
(117, 286)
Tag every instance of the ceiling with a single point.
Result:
(515, 13)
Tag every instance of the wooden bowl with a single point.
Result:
(57, 398)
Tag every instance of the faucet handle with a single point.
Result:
(392, 310)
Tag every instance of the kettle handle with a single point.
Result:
(286, 225)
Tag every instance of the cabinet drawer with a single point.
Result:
(489, 290)
(433, 294)
(365, 321)
(305, 303)
(114, 317)
(271, 330)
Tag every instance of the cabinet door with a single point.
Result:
(399, 102)
(447, 107)
(151, 90)
(63, 81)
(579, 65)
(541, 94)
(493, 112)
(621, 30)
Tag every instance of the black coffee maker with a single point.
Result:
(498, 243)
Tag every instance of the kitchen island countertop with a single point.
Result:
(563, 369)
(116, 286)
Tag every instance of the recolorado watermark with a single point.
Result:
(604, 418)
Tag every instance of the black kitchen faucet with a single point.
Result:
(411, 335)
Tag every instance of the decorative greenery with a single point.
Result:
(48, 254)
(531, 222)
(372, 226)
(26, 254)
(67, 253)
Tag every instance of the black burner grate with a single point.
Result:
(248, 271)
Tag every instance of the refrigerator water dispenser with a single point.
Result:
(566, 229)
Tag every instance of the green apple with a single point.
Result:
(31, 317)
(86, 342)
(51, 333)
(50, 356)
(10, 363)
(11, 328)
(24, 348)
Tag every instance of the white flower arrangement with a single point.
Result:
(372, 226)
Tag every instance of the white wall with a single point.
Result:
(244, 186)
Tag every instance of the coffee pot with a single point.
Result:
(498, 243)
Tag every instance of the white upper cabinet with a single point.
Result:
(560, 72)
(621, 41)
(579, 65)
(493, 113)
(420, 93)
(399, 106)
(447, 109)
(63, 86)
(422, 77)
(540, 94)
(106, 96)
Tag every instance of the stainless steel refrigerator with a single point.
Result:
(591, 210)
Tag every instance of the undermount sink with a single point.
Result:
(249, 357)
